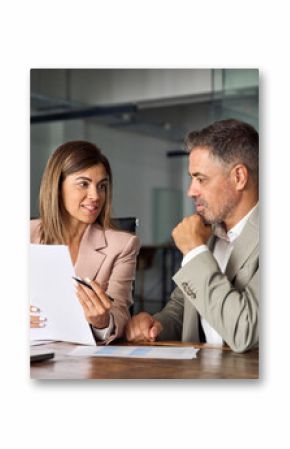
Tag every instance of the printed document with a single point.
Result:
(139, 352)
(52, 291)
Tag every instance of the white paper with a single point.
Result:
(52, 291)
(139, 352)
(40, 342)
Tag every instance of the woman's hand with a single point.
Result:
(96, 304)
(35, 319)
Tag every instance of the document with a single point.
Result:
(139, 352)
(52, 291)
(40, 342)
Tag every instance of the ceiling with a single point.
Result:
(169, 119)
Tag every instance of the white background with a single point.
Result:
(208, 34)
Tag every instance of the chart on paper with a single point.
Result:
(141, 352)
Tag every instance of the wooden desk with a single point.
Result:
(211, 363)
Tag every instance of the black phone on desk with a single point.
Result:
(40, 355)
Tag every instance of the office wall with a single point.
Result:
(139, 165)
(44, 138)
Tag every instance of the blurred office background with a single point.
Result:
(139, 118)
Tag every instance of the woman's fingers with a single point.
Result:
(96, 304)
(37, 325)
(97, 297)
(34, 309)
(90, 301)
(101, 295)
(36, 320)
(84, 300)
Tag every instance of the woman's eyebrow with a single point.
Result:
(83, 177)
(86, 178)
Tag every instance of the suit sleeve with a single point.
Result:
(171, 317)
(231, 311)
(121, 284)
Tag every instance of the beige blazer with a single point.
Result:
(109, 257)
(229, 302)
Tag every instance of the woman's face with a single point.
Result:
(84, 194)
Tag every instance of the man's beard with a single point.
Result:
(210, 218)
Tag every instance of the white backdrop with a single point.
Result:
(220, 414)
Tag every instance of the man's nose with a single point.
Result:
(193, 190)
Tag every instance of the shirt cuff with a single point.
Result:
(104, 334)
(193, 253)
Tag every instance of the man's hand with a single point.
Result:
(143, 327)
(190, 233)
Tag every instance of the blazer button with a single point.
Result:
(188, 290)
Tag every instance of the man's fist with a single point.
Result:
(142, 327)
(190, 233)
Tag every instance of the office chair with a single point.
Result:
(128, 224)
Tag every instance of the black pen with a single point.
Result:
(81, 281)
(86, 284)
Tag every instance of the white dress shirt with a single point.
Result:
(223, 247)
(103, 334)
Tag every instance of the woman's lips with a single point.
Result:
(90, 208)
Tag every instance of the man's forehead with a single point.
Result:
(199, 156)
(199, 152)
(201, 161)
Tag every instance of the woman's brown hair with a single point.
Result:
(68, 158)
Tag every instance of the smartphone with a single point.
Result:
(41, 356)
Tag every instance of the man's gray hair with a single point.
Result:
(230, 142)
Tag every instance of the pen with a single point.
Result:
(81, 281)
(86, 284)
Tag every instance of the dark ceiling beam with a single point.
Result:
(177, 153)
(83, 113)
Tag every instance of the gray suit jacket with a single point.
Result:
(229, 302)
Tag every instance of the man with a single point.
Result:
(216, 299)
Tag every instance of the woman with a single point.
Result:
(75, 207)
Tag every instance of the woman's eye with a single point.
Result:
(102, 187)
(83, 184)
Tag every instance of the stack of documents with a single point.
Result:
(139, 352)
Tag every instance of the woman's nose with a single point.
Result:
(93, 193)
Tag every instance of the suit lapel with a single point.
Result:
(211, 242)
(244, 245)
(91, 257)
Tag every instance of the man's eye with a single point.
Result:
(200, 180)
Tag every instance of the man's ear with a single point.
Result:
(240, 176)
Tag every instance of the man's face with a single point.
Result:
(211, 188)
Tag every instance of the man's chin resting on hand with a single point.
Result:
(143, 327)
